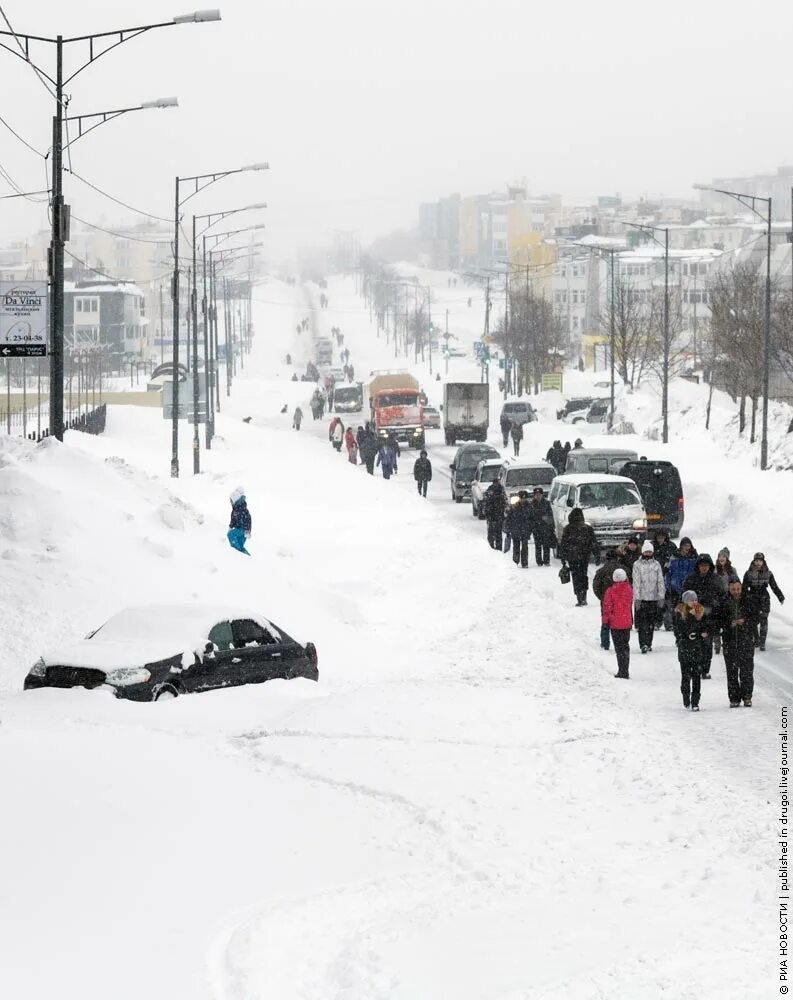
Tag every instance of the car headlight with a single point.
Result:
(514, 498)
(39, 668)
(640, 524)
(125, 676)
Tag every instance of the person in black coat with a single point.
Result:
(422, 472)
(705, 584)
(630, 554)
(737, 618)
(577, 543)
(495, 504)
(396, 451)
(368, 450)
(518, 523)
(506, 424)
(542, 527)
(516, 431)
(693, 642)
(757, 581)
(665, 548)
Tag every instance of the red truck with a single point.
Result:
(393, 401)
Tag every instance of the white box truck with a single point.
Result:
(466, 411)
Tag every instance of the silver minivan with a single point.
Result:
(599, 459)
(611, 504)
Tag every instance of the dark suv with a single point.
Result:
(466, 459)
(661, 491)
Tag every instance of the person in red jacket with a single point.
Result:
(352, 446)
(617, 613)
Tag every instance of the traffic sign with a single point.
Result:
(552, 380)
(23, 319)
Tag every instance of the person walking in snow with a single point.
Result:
(649, 594)
(385, 459)
(738, 620)
(518, 523)
(337, 434)
(506, 426)
(617, 614)
(369, 448)
(516, 432)
(297, 419)
(724, 570)
(757, 581)
(541, 526)
(352, 447)
(704, 582)
(603, 579)
(396, 451)
(359, 436)
(680, 568)
(241, 523)
(422, 472)
(495, 503)
(577, 543)
(693, 647)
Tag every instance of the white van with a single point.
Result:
(523, 474)
(611, 504)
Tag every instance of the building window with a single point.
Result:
(86, 305)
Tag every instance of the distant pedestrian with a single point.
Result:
(241, 523)
(617, 613)
(396, 451)
(495, 504)
(506, 425)
(577, 544)
(649, 594)
(516, 431)
(297, 419)
(757, 581)
(541, 527)
(352, 446)
(368, 449)
(603, 579)
(738, 620)
(518, 523)
(338, 435)
(422, 472)
(385, 459)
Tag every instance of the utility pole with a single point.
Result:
(665, 405)
(57, 245)
(447, 341)
(429, 321)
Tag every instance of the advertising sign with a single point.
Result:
(552, 380)
(23, 319)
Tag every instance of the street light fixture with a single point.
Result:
(199, 182)
(21, 49)
(748, 201)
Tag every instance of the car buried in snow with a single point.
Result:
(149, 653)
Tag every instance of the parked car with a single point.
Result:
(599, 459)
(519, 412)
(432, 419)
(574, 409)
(524, 474)
(611, 504)
(486, 472)
(662, 492)
(598, 412)
(466, 459)
(147, 653)
(456, 352)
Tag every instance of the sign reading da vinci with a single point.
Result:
(23, 319)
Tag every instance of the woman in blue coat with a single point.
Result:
(240, 524)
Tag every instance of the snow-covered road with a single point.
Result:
(467, 805)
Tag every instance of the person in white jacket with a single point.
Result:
(648, 594)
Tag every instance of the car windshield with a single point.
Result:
(489, 473)
(530, 477)
(609, 495)
(345, 393)
(398, 399)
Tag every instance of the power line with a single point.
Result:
(111, 232)
(118, 201)
(18, 136)
(25, 56)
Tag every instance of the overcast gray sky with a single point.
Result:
(364, 108)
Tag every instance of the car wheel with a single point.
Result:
(165, 692)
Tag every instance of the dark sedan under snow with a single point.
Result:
(147, 653)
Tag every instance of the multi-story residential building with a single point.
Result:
(777, 186)
(108, 315)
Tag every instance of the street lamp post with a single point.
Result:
(59, 210)
(749, 201)
(199, 182)
(651, 231)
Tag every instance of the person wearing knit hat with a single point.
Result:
(693, 642)
(724, 570)
(649, 594)
(241, 523)
(617, 614)
(757, 582)
(704, 581)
